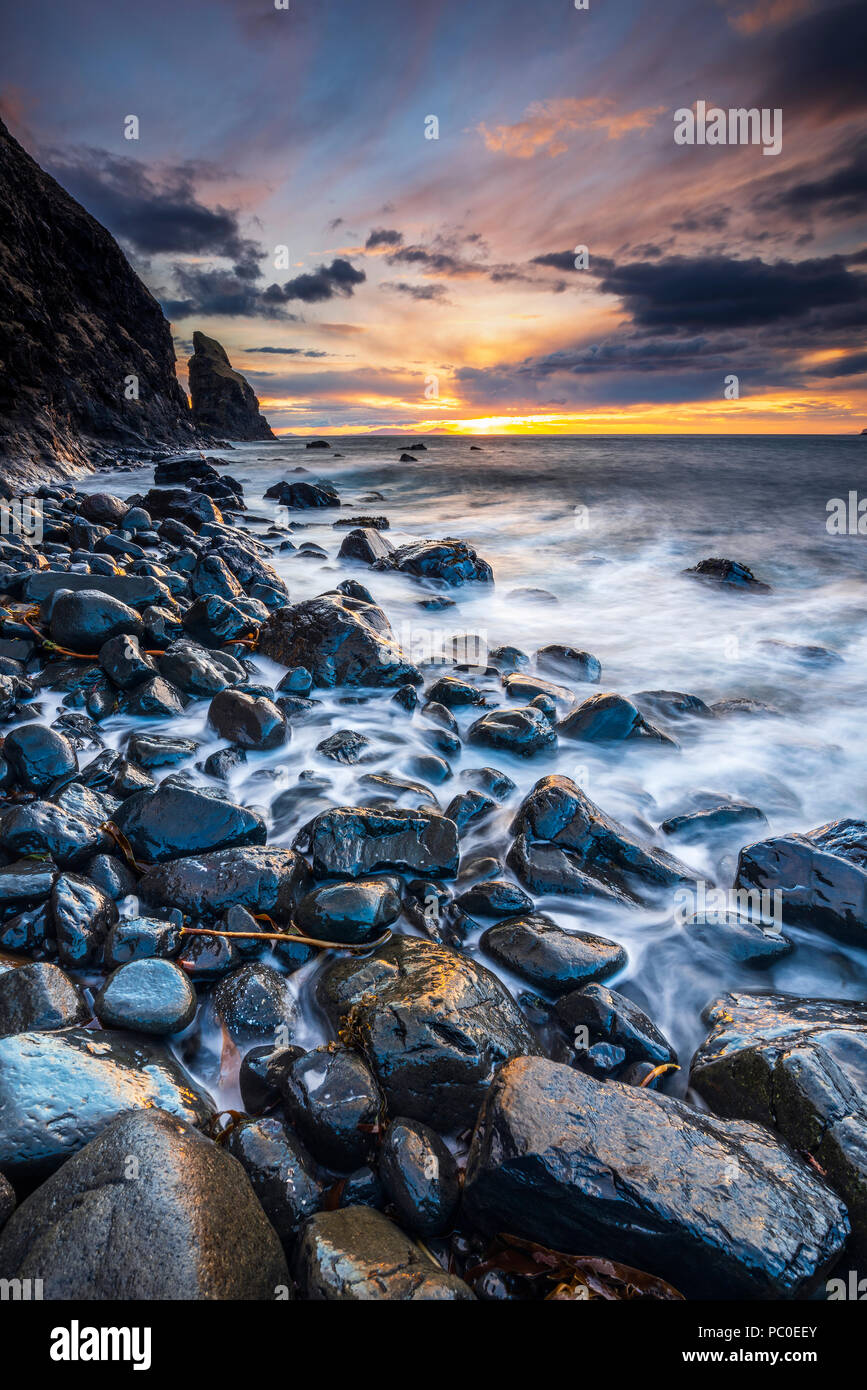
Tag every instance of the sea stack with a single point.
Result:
(223, 402)
(86, 356)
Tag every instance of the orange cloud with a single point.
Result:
(545, 124)
(765, 14)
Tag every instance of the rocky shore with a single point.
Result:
(478, 1113)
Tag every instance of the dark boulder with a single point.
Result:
(720, 1208)
(197, 671)
(215, 620)
(609, 719)
(124, 662)
(799, 1066)
(141, 938)
(253, 1002)
(355, 841)
(83, 620)
(494, 897)
(134, 590)
(469, 809)
(728, 574)
(39, 997)
(300, 496)
(262, 1074)
(59, 1090)
(260, 879)
(247, 721)
(150, 1209)
(525, 732)
(450, 561)
(729, 818)
(549, 957)
(154, 699)
(365, 544)
(45, 828)
(569, 662)
(821, 877)
(179, 821)
(340, 640)
(566, 844)
(357, 1255)
(103, 508)
(345, 746)
(420, 1177)
(80, 915)
(335, 1105)
(284, 1177)
(671, 704)
(38, 756)
(147, 996)
(597, 1014)
(351, 912)
(433, 1025)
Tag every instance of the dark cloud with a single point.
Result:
(853, 364)
(426, 293)
(212, 292)
(154, 210)
(818, 62)
(382, 236)
(713, 220)
(435, 262)
(290, 351)
(556, 260)
(313, 287)
(842, 193)
(682, 294)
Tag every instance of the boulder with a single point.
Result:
(728, 574)
(258, 878)
(299, 496)
(83, 620)
(821, 877)
(420, 1177)
(358, 1255)
(39, 997)
(197, 671)
(247, 721)
(525, 732)
(605, 1016)
(432, 1023)
(286, 1180)
(549, 957)
(177, 821)
(59, 1090)
(799, 1066)
(450, 561)
(340, 640)
(720, 1208)
(569, 662)
(223, 402)
(37, 756)
(253, 1002)
(609, 719)
(334, 1103)
(351, 912)
(147, 996)
(149, 1210)
(356, 841)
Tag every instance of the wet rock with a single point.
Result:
(739, 939)
(178, 821)
(420, 1177)
(39, 997)
(246, 721)
(727, 573)
(215, 620)
(136, 591)
(154, 699)
(297, 681)
(333, 1102)
(159, 750)
(524, 732)
(344, 746)
(566, 844)
(800, 1066)
(569, 662)
(110, 875)
(223, 763)
(254, 1001)
(821, 877)
(80, 915)
(555, 960)
(450, 561)
(37, 756)
(104, 508)
(187, 1227)
(340, 640)
(596, 1014)
(364, 543)
(197, 671)
(362, 1188)
(742, 705)
(802, 654)
(140, 938)
(213, 576)
(433, 1025)
(259, 879)
(494, 897)
(85, 619)
(358, 1255)
(59, 1090)
(354, 841)
(728, 818)
(718, 1207)
(352, 912)
(284, 1177)
(208, 958)
(124, 662)
(262, 1075)
(490, 781)
(7, 1200)
(24, 883)
(670, 704)
(609, 719)
(300, 496)
(468, 809)
(454, 693)
(147, 996)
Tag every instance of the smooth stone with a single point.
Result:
(549, 957)
(37, 756)
(148, 996)
(262, 879)
(350, 912)
(340, 640)
(284, 1177)
(247, 722)
(606, 1016)
(261, 1076)
(178, 821)
(83, 620)
(80, 915)
(253, 1002)
(357, 1255)
(524, 732)
(609, 719)
(821, 877)
(355, 841)
(420, 1177)
(333, 1102)
(39, 997)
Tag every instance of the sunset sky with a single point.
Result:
(431, 282)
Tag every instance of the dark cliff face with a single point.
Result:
(76, 324)
(223, 402)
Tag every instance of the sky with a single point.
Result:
(285, 196)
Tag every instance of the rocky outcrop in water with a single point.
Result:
(76, 327)
(223, 402)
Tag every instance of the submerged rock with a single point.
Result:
(569, 662)
(727, 573)
(524, 731)
(433, 1025)
(358, 1255)
(150, 1209)
(609, 719)
(450, 561)
(552, 959)
(59, 1090)
(355, 841)
(720, 1208)
(340, 640)
(247, 721)
(800, 1066)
